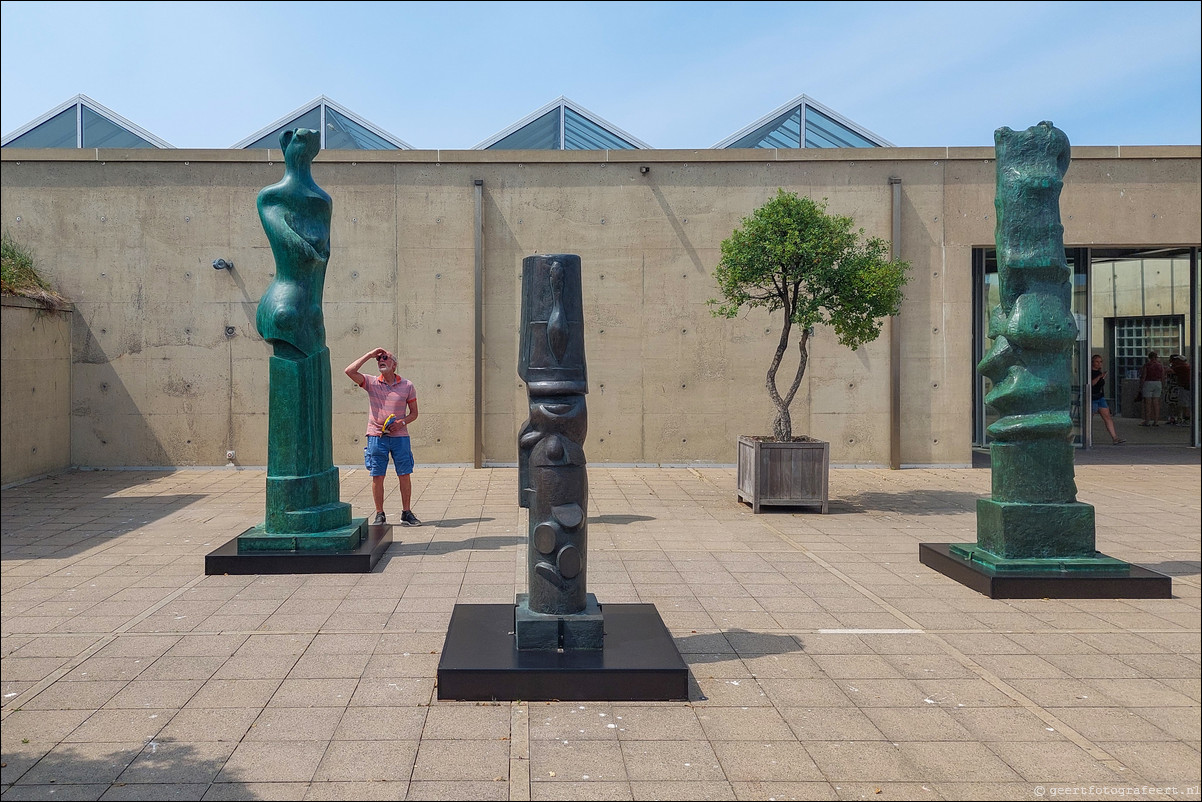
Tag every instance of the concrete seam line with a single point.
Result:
(104, 640)
(519, 752)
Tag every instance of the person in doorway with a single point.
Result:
(1098, 394)
(392, 402)
(1151, 387)
(1179, 376)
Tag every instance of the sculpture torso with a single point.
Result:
(296, 215)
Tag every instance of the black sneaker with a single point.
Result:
(409, 519)
(380, 519)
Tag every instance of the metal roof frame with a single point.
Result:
(103, 111)
(322, 102)
(562, 103)
(804, 100)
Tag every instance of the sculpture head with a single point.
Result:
(300, 144)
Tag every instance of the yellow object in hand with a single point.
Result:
(391, 419)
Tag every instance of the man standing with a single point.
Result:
(393, 406)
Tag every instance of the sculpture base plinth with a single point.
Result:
(540, 631)
(638, 662)
(360, 558)
(1021, 529)
(339, 539)
(1044, 578)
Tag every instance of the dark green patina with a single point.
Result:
(303, 509)
(1033, 521)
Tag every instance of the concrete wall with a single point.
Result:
(169, 370)
(35, 363)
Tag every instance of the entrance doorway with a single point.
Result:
(1142, 301)
(1127, 302)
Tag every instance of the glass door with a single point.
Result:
(1145, 300)
(987, 295)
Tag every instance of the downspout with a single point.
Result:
(478, 340)
(1194, 278)
(895, 341)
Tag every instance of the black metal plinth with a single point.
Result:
(1137, 583)
(227, 559)
(639, 661)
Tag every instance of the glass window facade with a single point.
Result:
(802, 126)
(83, 123)
(310, 119)
(580, 133)
(340, 130)
(1127, 302)
(343, 133)
(100, 132)
(60, 131)
(823, 132)
(988, 298)
(562, 128)
(783, 132)
(539, 134)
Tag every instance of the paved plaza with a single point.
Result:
(825, 661)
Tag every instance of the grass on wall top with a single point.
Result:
(19, 275)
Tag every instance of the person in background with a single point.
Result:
(1151, 387)
(1097, 381)
(1179, 375)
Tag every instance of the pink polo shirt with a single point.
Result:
(388, 399)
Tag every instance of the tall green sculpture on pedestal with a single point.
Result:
(1034, 514)
(1033, 531)
(303, 509)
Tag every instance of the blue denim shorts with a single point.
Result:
(375, 455)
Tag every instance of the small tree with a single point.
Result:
(791, 255)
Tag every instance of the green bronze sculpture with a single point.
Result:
(303, 509)
(1033, 521)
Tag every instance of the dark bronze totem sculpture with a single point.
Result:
(557, 612)
(1033, 533)
(554, 641)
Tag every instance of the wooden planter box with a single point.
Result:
(783, 474)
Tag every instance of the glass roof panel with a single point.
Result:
(783, 132)
(823, 132)
(580, 133)
(101, 132)
(343, 133)
(60, 131)
(540, 134)
(310, 119)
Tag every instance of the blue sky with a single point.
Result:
(672, 74)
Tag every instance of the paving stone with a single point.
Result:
(825, 661)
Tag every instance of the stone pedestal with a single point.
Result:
(638, 662)
(583, 630)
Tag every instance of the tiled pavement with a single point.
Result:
(826, 662)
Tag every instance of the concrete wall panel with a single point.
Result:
(36, 361)
(131, 238)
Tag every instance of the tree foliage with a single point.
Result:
(792, 256)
